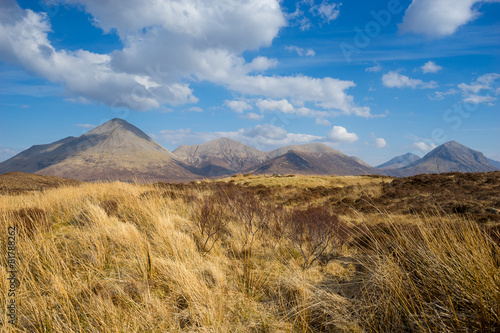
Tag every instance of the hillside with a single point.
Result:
(19, 182)
(399, 161)
(115, 150)
(449, 157)
(309, 163)
(222, 156)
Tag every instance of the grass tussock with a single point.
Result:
(228, 257)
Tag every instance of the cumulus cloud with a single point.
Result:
(328, 12)
(167, 45)
(485, 84)
(284, 106)
(263, 136)
(476, 99)
(375, 68)
(430, 67)
(300, 51)
(238, 106)
(395, 80)
(24, 41)
(339, 134)
(379, 143)
(440, 95)
(422, 146)
(195, 109)
(252, 116)
(327, 93)
(275, 105)
(439, 18)
(323, 122)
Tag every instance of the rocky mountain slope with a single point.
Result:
(309, 163)
(449, 157)
(400, 161)
(219, 157)
(115, 150)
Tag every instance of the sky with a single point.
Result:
(373, 79)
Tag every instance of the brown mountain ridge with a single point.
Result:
(117, 150)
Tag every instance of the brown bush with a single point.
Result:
(32, 220)
(312, 231)
(211, 221)
(110, 207)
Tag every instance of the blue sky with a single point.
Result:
(373, 79)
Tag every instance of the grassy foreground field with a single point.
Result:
(255, 254)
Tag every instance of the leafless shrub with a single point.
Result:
(312, 231)
(210, 220)
(254, 216)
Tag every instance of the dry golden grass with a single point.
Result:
(119, 257)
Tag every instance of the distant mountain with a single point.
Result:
(360, 161)
(308, 148)
(313, 163)
(400, 161)
(496, 164)
(118, 150)
(220, 157)
(115, 150)
(32, 159)
(449, 157)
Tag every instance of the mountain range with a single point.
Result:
(117, 150)
(450, 156)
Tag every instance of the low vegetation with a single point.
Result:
(256, 254)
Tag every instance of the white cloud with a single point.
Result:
(85, 125)
(438, 18)
(422, 146)
(340, 134)
(476, 99)
(167, 45)
(375, 68)
(260, 136)
(327, 93)
(440, 95)
(275, 105)
(396, 80)
(300, 51)
(284, 106)
(430, 67)
(238, 106)
(195, 109)
(323, 122)
(328, 12)
(24, 41)
(379, 143)
(252, 116)
(310, 53)
(485, 83)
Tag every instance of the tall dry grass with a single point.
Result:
(218, 258)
